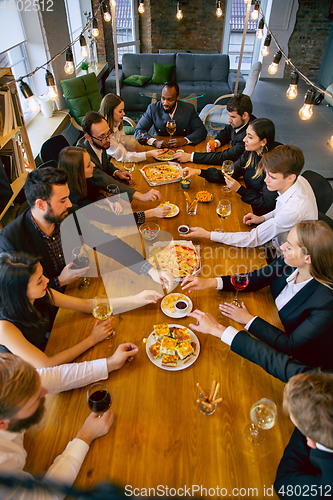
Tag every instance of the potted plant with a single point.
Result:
(84, 67)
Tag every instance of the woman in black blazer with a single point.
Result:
(305, 303)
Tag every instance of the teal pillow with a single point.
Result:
(136, 80)
(162, 73)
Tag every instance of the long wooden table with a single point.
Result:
(159, 436)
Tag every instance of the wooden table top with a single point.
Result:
(159, 436)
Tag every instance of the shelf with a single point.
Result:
(5, 138)
(16, 186)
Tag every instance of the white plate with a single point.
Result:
(180, 365)
(166, 159)
(174, 208)
(178, 313)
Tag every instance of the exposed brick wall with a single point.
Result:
(104, 40)
(308, 40)
(199, 28)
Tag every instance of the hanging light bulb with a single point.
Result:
(219, 12)
(69, 66)
(51, 87)
(179, 14)
(141, 7)
(32, 102)
(255, 12)
(273, 67)
(330, 142)
(106, 11)
(260, 30)
(306, 110)
(267, 42)
(84, 48)
(248, 2)
(292, 89)
(95, 30)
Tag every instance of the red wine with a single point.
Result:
(80, 262)
(143, 141)
(99, 401)
(240, 282)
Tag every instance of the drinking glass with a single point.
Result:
(129, 167)
(102, 310)
(239, 280)
(223, 210)
(80, 259)
(98, 398)
(113, 192)
(227, 168)
(203, 409)
(263, 414)
(171, 127)
(142, 138)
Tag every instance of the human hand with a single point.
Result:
(162, 277)
(123, 353)
(206, 323)
(191, 283)
(160, 212)
(239, 314)
(124, 176)
(189, 171)
(70, 275)
(146, 297)
(208, 148)
(115, 207)
(197, 232)
(152, 195)
(250, 219)
(176, 142)
(100, 331)
(95, 426)
(161, 144)
(182, 156)
(231, 183)
(155, 153)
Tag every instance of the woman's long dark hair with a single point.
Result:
(109, 102)
(71, 159)
(265, 129)
(16, 270)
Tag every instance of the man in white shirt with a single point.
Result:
(22, 395)
(296, 202)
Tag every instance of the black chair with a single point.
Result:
(322, 190)
(326, 219)
(51, 148)
(50, 163)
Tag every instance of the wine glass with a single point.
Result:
(102, 310)
(239, 280)
(129, 167)
(223, 210)
(113, 192)
(263, 414)
(171, 127)
(227, 168)
(80, 259)
(142, 138)
(98, 398)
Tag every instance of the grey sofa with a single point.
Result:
(207, 74)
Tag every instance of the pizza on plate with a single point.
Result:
(167, 155)
(171, 349)
(179, 260)
(160, 173)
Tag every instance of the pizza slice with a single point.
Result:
(155, 350)
(182, 334)
(168, 345)
(169, 360)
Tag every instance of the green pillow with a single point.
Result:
(162, 73)
(136, 80)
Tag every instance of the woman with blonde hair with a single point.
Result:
(113, 110)
(301, 284)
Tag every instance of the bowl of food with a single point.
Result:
(185, 183)
(149, 230)
(183, 229)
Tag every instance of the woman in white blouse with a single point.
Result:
(113, 110)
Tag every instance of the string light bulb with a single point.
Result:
(33, 104)
(330, 142)
(219, 12)
(306, 110)
(255, 12)
(179, 14)
(292, 91)
(260, 30)
(273, 67)
(248, 2)
(267, 42)
(106, 11)
(95, 30)
(141, 7)
(84, 48)
(69, 66)
(52, 92)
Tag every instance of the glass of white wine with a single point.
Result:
(263, 414)
(102, 310)
(223, 210)
(227, 168)
(171, 127)
(129, 167)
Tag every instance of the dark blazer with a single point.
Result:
(307, 317)
(228, 135)
(187, 121)
(255, 193)
(303, 466)
(103, 172)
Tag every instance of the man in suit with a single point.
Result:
(240, 114)
(189, 127)
(96, 141)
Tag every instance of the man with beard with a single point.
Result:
(22, 397)
(189, 127)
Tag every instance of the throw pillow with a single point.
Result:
(136, 80)
(162, 73)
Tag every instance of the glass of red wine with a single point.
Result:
(80, 259)
(98, 398)
(239, 280)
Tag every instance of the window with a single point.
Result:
(127, 28)
(75, 26)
